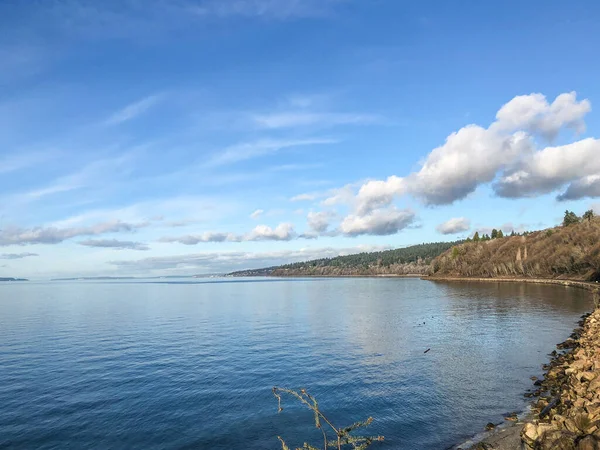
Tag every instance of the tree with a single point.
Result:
(588, 215)
(486, 237)
(512, 233)
(500, 234)
(570, 218)
(494, 234)
(476, 236)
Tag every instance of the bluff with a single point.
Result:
(564, 252)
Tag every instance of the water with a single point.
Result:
(190, 365)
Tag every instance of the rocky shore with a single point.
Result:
(568, 411)
(566, 414)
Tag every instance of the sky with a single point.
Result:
(182, 137)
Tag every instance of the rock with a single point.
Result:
(490, 426)
(588, 376)
(537, 383)
(529, 433)
(589, 443)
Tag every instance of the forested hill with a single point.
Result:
(415, 259)
(570, 251)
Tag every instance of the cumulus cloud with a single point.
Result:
(115, 244)
(17, 255)
(454, 225)
(377, 193)
(533, 113)
(506, 152)
(282, 232)
(379, 222)
(256, 214)
(53, 235)
(551, 168)
(588, 186)
(319, 222)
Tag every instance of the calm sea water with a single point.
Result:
(190, 364)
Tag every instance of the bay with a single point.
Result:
(190, 363)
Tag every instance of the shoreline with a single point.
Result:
(560, 395)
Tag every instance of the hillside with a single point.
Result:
(569, 251)
(415, 259)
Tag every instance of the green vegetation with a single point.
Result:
(343, 437)
(571, 218)
(413, 260)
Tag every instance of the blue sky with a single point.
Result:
(196, 136)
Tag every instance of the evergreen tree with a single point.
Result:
(476, 236)
(494, 234)
(500, 234)
(588, 215)
(512, 233)
(570, 218)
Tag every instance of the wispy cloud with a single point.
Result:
(13, 163)
(53, 235)
(256, 214)
(17, 255)
(242, 152)
(304, 119)
(268, 9)
(134, 110)
(115, 244)
(282, 232)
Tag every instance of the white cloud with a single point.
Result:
(319, 222)
(307, 197)
(339, 196)
(588, 186)
(533, 113)
(551, 168)
(115, 244)
(256, 214)
(474, 155)
(378, 193)
(470, 157)
(282, 232)
(242, 152)
(53, 235)
(453, 226)
(379, 222)
(133, 110)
